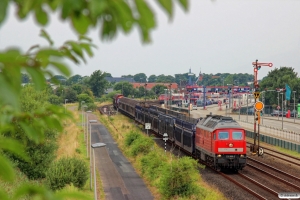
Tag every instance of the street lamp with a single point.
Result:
(66, 105)
(96, 145)
(90, 149)
(294, 111)
(281, 109)
(88, 132)
(82, 102)
(83, 123)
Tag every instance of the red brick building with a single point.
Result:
(149, 86)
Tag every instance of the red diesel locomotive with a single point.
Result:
(221, 142)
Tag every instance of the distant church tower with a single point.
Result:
(190, 74)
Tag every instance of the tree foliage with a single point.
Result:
(98, 83)
(277, 78)
(112, 16)
(140, 78)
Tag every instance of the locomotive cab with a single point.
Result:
(230, 148)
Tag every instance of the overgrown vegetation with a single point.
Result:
(67, 171)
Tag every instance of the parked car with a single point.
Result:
(276, 113)
(250, 111)
(294, 113)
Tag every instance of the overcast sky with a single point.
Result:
(216, 36)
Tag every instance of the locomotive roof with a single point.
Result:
(212, 122)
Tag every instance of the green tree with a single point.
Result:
(113, 16)
(71, 95)
(74, 79)
(140, 78)
(277, 78)
(152, 78)
(125, 87)
(98, 83)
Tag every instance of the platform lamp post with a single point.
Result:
(95, 145)
(66, 104)
(294, 106)
(278, 104)
(83, 120)
(88, 133)
(82, 102)
(90, 149)
(282, 110)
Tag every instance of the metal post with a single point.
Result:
(239, 107)
(278, 106)
(247, 106)
(66, 105)
(282, 110)
(95, 182)
(263, 111)
(87, 139)
(90, 157)
(294, 105)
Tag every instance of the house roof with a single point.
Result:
(119, 79)
(151, 85)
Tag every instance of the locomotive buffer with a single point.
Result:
(258, 106)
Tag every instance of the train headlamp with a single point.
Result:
(219, 155)
(230, 145)
(242, 156)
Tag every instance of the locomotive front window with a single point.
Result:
(237, 135)
(223, 135)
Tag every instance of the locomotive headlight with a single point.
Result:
(230, 145)
(219, 155)
(241, 155)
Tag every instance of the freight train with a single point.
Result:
(216, 140)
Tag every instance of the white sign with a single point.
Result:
(147, 125)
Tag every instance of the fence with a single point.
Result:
(275, 141)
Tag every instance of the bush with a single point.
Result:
(66, 171)
(142, 145)
(131, 137)
(152, 165)
(179, 178)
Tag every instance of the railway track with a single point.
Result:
(107, 110)
(278, 155)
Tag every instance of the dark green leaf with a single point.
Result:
(167, 5)
(30, 132)
(10, 97)
(3, 8)
(66, 8)
(97, 7)
(146, 15)
(68, 54)
(45, 35)
(37, 77)
(27, 6)
(84, 37)
(13, 146)
(184, 4)
(76, 48)
(41, 16)
(81, 23)
(87, 48)
(123, 14)
(62, 68)
(54, 4)
(34, 192)
(6, 169)
(109, 29)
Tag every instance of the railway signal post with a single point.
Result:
(258, 106)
